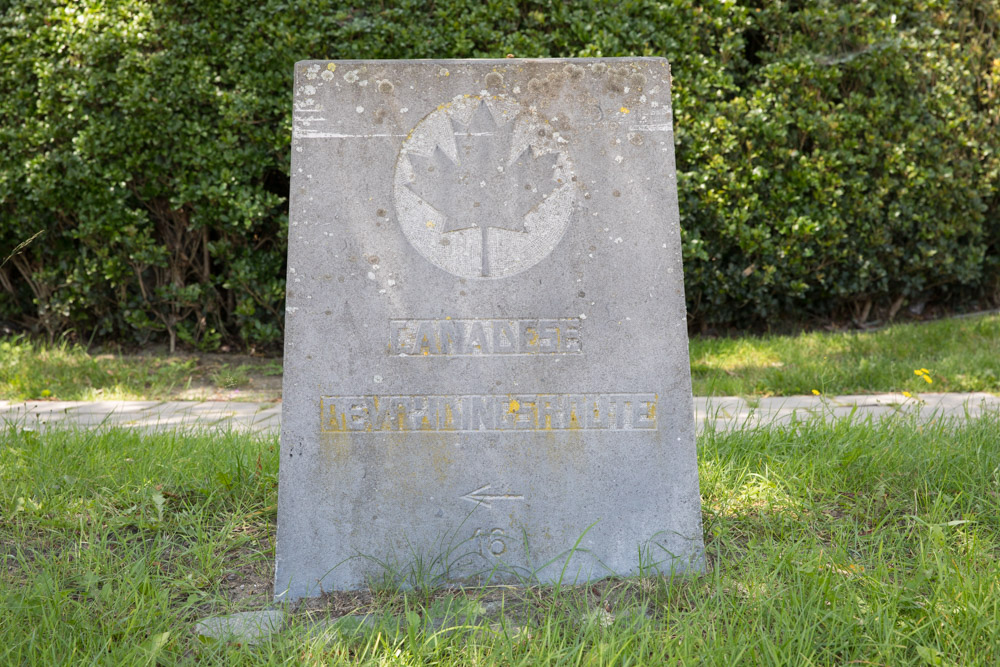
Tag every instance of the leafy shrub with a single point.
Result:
(855, 162)
(832, 157)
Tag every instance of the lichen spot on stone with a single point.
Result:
(637, 80)
(494, 80)
(514, 406)
(385, 86)
(574, 71)
(332, 67)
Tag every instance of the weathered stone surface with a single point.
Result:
(486, 365)
(246, 627)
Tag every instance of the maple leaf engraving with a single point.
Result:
(484, 187)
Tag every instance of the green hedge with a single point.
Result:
(834, 158)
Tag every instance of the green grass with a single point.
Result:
(866, 543)
(962, 354)
(63, 371)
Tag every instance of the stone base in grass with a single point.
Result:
(248, 627)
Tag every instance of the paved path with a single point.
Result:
(723, 412)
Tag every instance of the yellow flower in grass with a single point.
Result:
(907, 394)
(816, 392)
(925, 374)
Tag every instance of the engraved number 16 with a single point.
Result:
(493, 541)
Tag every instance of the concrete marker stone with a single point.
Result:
(486, 362)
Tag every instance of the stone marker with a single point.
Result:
(486, 361)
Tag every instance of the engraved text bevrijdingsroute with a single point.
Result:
(481, 337)
(474, 413)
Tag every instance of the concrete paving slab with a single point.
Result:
(722, 412)
(270, 410)
(109, 407)
(167, 411)
(731, 412)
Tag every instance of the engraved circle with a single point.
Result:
(497, 542)
(483, 188)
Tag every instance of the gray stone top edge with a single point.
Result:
(455, 61)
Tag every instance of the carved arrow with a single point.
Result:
(480, 498)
